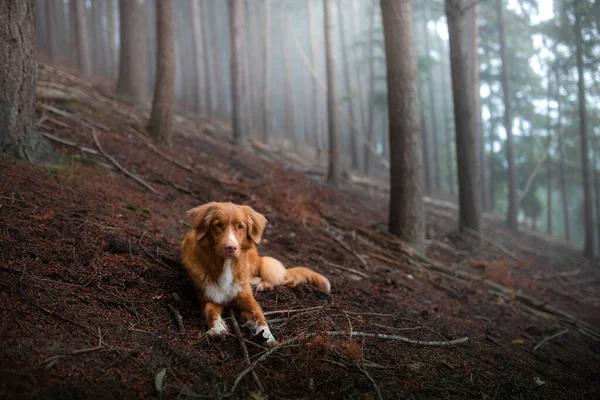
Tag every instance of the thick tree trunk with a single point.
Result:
(354, 156)
(371, 94)
(50, 29)
(435, 146)
(334, 172)
(588, 212)
(238, 91)
(467, 143)
(18, 131)
(266, 97)
(133, 81)
(81, 39)
(511, 218)
(161, 118)
(198, 56)
(549, 165)
(112, 39)
(406, 216)
(563, 169)
(314, 129)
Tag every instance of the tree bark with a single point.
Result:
(217, 56)
(238, 91)
(133, 81)
(112, 39)
(445, 110)
(371, 94)
(549, 164)
(208, 98)
(81, 39)
(18, 131)
(406, 211)
(511, 217)
(467, 143)
(161, 118)
(288, 87)
(51, 29)
(354, 156)
(437, 182)
(266, 98)
(563, 169)
(334, 172)
(588, 212)
(198, 56)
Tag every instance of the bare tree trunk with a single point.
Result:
(266, 97)
(161, 118)
(549, 164)
(204, 15)
(81, 39)
(18, 130)
(597, 190)
(288, 87)
(354, 156)
(563, 170)
(51, 29)
(434, 128)
(218, 61)
(583, 123)
(315, 126)
(334, 172)
(198, 56)
(425, 146)
(511, 218)
(469, 189)
(371, 94)
(133, 81)
(238, 91)
(112, 39)
(445, 110)
(406, 219)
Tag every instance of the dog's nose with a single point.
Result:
(230, 248)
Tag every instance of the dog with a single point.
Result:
(220, 258)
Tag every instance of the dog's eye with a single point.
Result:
(240, 226)
(219, 225)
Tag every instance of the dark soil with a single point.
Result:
(87, 252)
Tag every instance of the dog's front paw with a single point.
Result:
(265, 333)
(264, 286)
(219, 328)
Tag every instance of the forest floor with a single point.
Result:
(91, 281)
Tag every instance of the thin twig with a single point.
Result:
(348, 249)
(292, 311)
(354, 271)
(240, 339)
(68, 143)
(363, 369)
(401, 338)
(119, 166)
(177, 317)
(550, 338)
(150, 254)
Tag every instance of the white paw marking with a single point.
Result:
(261, 288)
(225, 289)
(262, 330)
(219, 328)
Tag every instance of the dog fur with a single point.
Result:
(220, 257)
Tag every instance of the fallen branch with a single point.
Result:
(348, 249)
(177, 317)
(400, 338)
(293, 311)
(494, 243)
(119, 166)
(90, 124)
(68, 143)
(160, 153)
(352, 270)
(550, 338)
(240, 339)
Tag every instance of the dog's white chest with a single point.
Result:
(225, 289)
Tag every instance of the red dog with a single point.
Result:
(220, 257)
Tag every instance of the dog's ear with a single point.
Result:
(256, 223)
(200, 218)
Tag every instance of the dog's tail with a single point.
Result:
(274, 273)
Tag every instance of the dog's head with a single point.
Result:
(228, 228)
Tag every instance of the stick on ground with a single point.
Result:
(240, 338)
(177, 317)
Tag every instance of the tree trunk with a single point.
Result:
(314, 94)
(563, 169)
(445, 110)
(238, 91)
(198, 56)
(288, 86)
(354, 156)
(161, 118)
(133, 81)
(18, 131)
(597, 191)
(437, 183)
(112, 39)
(511, 218)
(469, 190)
(334, 172)
(406, 211)
(549, 165)
(81, 39)
(588, 213)
(50, 29)
(204, 15)
(266, 98)
(371, 94)
(425, 145)
(216, 54)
